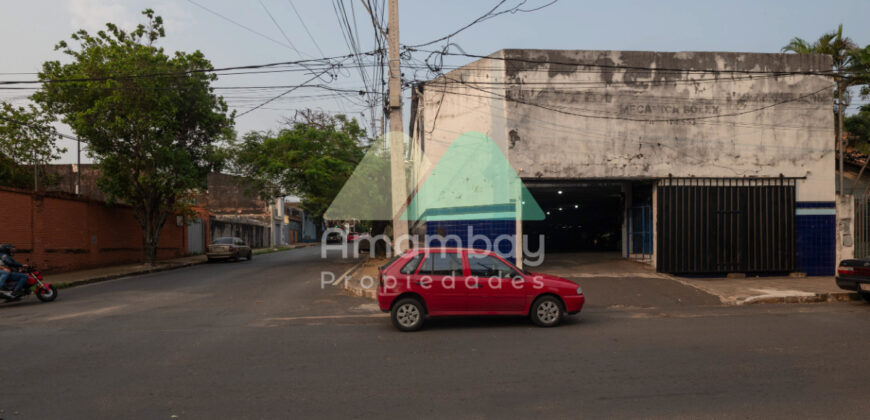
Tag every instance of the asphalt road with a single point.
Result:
(262, 339)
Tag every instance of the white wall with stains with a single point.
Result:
(556, 118)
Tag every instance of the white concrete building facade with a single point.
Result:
(698, 162)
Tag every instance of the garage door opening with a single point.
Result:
(580, 217)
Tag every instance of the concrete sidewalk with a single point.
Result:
(78, 278)
(81, 277)
(742, 291)
(362, 279)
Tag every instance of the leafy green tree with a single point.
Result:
(858, 127)
(26, 138)
(311, 158)
(841, 49)
(859, 69)
(151, 119)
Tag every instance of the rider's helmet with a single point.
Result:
(7, 249)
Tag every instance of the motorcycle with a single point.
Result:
(45, 292)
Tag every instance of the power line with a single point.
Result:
(282, 94)
(304, 26)
(240, 25)
(486, 16)
(324, 60)
(66, 136)
(280, 29)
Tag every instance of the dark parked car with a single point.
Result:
(334, 238)
(855, 275)
(229, 248)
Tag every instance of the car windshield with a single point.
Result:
(223, 241)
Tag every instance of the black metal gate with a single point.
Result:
(725, 225)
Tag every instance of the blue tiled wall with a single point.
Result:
(815, 225)
(490, 229)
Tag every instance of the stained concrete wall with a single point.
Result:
(845, 227)
(454, 105)
(619, 120)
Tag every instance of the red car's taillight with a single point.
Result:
(845, 270)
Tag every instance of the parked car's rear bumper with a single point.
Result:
(851, 282)
(221, 255)
(573, 304)
(385, 300)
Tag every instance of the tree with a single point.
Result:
(859, 69)
(26, 135)
(841, 49)
(858, 128)
(311, 158)
(151, 120)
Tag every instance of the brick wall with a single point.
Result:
(56, 232)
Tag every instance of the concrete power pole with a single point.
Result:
(397, 140)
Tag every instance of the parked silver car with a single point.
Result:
(227, 248)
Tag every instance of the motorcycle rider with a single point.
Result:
(8, 265)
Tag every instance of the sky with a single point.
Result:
(31, 29)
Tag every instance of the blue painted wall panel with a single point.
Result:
(490, 229)
(816, 243)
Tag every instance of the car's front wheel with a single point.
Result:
(407, 314)
(866, 297)
(547, 311)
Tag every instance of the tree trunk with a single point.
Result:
(152, 222)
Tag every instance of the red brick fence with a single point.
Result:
(59, 232)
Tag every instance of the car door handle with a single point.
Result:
(421, 283)
(475, 286)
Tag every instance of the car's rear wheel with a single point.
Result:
(407, 314)
(250, 255)
(866, 297)
(547, 311)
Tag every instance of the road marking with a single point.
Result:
(86, 313)
(342, 276)
(303, 318)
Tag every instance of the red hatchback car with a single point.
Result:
(456, 281)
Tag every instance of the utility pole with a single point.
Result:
(78, 167)
(35, 173)
(397, 140)
(840, 139)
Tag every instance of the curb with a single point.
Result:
(343, 281)
(805, 298)
(816, 298)
(265, 251)
(108, 277)
(360, 292)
